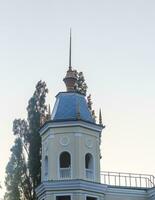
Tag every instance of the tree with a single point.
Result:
(23, 171)
(17, 180)
(21, 131)
(36, 115)
(81, 86)
(14, 172)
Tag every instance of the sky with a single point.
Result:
(113, 43)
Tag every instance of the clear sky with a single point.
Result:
(113, 44)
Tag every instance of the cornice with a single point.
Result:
(70, 185)
(72, 123)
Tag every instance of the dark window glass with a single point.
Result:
(88, 161)
(65, 160)
(63, 198)
(91, 198)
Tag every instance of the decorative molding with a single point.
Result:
(151, 193)
(83, 124)
(63, 194)
(78, 134)
(126, 192)
(46, 147)
(74, 185)
(64, 140)
(86, 186)
(89, 143)
(51, 136)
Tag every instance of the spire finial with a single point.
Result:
(100, 117)
(71, 75)
(78, 111)
(70, 50)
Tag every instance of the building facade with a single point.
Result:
(71, 155)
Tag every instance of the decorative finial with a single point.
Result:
(89, 102)
(100, 117)
(93, 115)
(71, 75)
(78, 111)
(70, 51)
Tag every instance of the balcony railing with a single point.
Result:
(128, 179)
(65, 173)
(89, 174)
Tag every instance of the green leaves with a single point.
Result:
(14, 172)
(23, 170)
(36, 114)
(81, 86)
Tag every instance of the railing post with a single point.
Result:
(125, 181)
(130, 179)
(153, 181)
(119, 179)
(108, 178)
(136, 181)
(104, 178)
(115, 180)
(140, 180)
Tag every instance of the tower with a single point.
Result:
(71, 154)
(71, 148)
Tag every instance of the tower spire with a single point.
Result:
(71, 75)
(70, 50)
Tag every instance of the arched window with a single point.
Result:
(65, 165)
(46, 168)
(65, 160)
(89, 166)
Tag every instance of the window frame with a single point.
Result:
(92, 196)
(60, 195)
(58, 163)
(93, 164)
(46, 168)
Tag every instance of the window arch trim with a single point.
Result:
(68, 170)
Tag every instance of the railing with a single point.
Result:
(89, 174)
(65, 173)
(128, 179)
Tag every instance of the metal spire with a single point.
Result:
(70, 51)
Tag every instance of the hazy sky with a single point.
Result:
(113, 44)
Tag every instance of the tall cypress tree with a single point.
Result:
(23, 171)
(36, 115)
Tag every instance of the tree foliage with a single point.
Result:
(15, 172)
(36, 115)
(81, 86)
(23, 171)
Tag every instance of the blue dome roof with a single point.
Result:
(71, 106)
